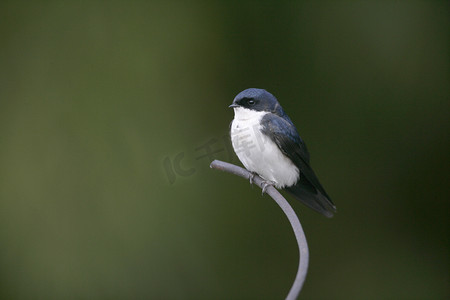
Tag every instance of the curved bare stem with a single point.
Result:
(290, 214)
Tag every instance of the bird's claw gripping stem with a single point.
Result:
(266, 184)
(251, 177)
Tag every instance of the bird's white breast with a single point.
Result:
(257, 152)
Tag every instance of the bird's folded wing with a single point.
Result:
(283, 133)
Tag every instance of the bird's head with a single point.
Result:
(257, 100)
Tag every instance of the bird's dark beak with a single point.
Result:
(233, 105)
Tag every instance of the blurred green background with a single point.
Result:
(107, 109)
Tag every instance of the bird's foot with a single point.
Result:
(251, 177)
(265, 184)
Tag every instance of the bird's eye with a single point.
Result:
(251, 102)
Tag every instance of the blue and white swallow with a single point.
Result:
(268, 144)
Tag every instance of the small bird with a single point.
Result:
(268, 144)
